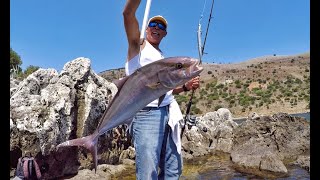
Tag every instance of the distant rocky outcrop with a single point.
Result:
(49, 107)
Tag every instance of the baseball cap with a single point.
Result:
(159, 18)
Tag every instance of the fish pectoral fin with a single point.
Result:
(154, 85)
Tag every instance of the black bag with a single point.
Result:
(27, 168)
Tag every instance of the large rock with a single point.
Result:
(261, 145)
(264, 144)
(213, 131)
(48, 108)
(104, 171)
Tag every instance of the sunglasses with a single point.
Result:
(160, 25)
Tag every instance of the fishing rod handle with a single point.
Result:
(190, 102)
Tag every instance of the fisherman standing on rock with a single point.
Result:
(155, 129)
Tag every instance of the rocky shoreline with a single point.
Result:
(49, 107)
(265, 155)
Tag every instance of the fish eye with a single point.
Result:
(179, 65)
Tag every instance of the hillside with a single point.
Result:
(265, 85)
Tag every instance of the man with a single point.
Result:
(158, 152)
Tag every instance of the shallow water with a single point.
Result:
(304, 115)
(220, 168)
(213, 168)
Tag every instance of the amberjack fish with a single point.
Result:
(135, 92)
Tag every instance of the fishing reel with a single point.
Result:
(191, 120)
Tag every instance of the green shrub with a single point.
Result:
(217, 107)
(238, 86)
(219, 86)
(181, 98)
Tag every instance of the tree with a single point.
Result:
(15, 69)
(30, 69)
(15, 60)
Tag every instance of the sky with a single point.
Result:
(51, 33)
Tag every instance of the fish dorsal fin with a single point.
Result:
(120, 82)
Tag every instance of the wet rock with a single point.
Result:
(304, 162)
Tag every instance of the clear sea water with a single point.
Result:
(304, 115)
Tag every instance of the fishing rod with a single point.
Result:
(200, 51)
(200, 46)
(145, 19)
(144, 24)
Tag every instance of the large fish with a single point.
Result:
(135, 92)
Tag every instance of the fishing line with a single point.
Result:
(205, 37)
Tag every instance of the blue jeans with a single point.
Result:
(156, 153)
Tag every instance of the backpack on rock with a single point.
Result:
(27, 168)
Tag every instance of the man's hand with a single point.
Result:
(194, 83)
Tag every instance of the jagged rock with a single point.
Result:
(270, 162)
(218, 135)
(253, 116)
(128, 153)
(104, 171)
(14, 84)
(213, 131)
(266, 143)
(48, 108)
(304, 162)
(129, 162)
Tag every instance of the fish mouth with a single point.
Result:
(181, 70)
(195, 69)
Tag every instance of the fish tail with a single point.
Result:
(89, 142)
